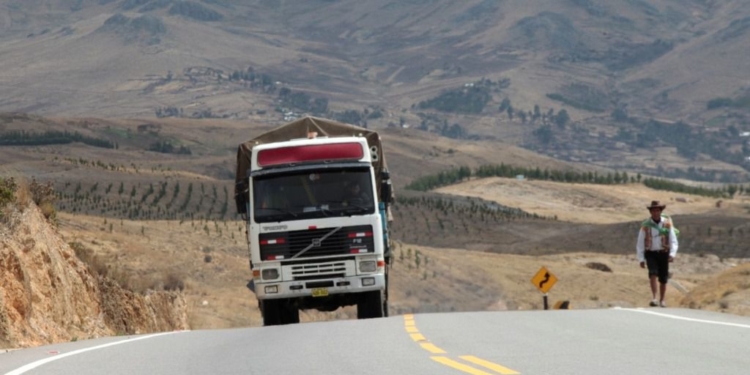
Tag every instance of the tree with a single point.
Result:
(504, 105)
(562, 118)
(620, 115)
(522, 116)
(544, 134)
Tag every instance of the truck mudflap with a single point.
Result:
(320, 288)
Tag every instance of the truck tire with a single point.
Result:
(385, 293)
(289, 313)
(271, 311)
(278, 312)
(370, 305)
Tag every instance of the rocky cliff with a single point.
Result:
(48, 295)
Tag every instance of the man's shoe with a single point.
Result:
(653, 303)
(663, 304)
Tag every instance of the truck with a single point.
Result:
(316, 196)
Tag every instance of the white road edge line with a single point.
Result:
(677, 317)
(40, 362)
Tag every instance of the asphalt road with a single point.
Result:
(580, 342)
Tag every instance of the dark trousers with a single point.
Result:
(658, 264)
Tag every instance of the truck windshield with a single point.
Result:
(305, 194)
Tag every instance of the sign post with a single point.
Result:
(544, 281)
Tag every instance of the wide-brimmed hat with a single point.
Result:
(656, 204)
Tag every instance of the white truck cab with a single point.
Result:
(316, 227)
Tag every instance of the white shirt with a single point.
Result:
(655, 240)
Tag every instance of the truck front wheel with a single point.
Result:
(289, 313)
(370, 305)
(271, 312)
(278, 312)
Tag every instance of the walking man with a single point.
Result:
(656, 248)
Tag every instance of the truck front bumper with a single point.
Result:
(323, 287)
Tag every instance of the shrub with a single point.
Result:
(174, 282)
(719, 103)
(471, 100)
(598, 266)
(7, 190)
(22, 195)
(195, 11)
(44, 196)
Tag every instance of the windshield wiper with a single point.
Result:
(349, 207)
(282, 210)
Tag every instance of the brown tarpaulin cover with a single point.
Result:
(300, 129)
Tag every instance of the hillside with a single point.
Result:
(49, 295)
(668, 60)
(134, 182)
(131, 162)
(588, 203)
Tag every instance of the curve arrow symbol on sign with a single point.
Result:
(546, 278)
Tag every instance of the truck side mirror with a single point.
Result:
(386, 189)
(240, 197)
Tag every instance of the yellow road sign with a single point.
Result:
(544, 280)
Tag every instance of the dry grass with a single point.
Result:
(585, 203)
(7, 195)
(44, 196)
(128, 279)
(728, 291)
(23, 195)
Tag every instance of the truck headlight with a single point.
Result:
(368, 266)
(270, 274)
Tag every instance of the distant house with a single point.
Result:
(745, 134)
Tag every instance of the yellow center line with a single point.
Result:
(411, 328)
(432, 348)
(459, 366)
(417, 337)
(492, 366)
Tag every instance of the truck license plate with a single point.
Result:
(320, 292)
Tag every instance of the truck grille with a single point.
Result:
(317, 242)
(315, 271)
